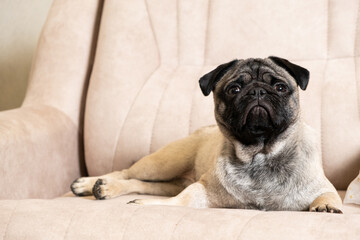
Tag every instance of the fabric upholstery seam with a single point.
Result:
(138, 93)
(127, 114)
(206, 33)
(327, 30)
(177, 32)
(180, 220)
(192, 104)
(357, 84)
(204, 58)
(247, 223)
(68, 226)
(127, 222)
(153, 31)
(324, 83)
(157, 110)
(9, 220)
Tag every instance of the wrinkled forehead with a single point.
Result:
(259, 70)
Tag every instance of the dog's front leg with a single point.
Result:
(192, 196)
(327, 202)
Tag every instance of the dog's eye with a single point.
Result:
(233, 90)
(280, 87)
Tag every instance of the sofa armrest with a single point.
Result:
(40, 153)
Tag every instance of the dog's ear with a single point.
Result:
(300, 74)
(209, 80)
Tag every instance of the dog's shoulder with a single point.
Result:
(208, 137)
(206, 130)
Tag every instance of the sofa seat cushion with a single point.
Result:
(85, 218)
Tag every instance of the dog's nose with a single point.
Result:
(257, 92)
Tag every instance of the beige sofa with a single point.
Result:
(113, 81)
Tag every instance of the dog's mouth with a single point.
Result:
(257, 114)
(258, 120)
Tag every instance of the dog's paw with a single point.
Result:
(325, 208)
(83, 186)
(135, 202)
(161, 201)
(102, 190)
(106, 188)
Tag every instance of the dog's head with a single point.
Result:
(255, 99)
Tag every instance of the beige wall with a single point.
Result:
(20, 23)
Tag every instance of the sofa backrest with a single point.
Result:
(144, 93)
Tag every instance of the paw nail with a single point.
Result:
(99, 182)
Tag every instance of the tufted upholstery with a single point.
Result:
(171, 44)
(115, 80)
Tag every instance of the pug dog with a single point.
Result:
(260, 155)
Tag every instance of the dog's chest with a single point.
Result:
(267, 183)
